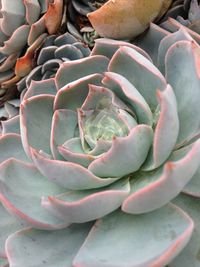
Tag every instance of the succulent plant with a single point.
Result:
(55, 50)
(111, 139)
(186, 12)
(23, 28)
(77, 22)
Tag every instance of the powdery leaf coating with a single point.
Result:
(103, 135)
(65, 244)
(166, 232)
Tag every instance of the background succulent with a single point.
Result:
(129, 140)
(78, 24)
(126, 19)
(23, 28)
(186, 12)
(52, 51)
(55, 50)
(113, 19)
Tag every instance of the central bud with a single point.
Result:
(102, 117)
(103, 124)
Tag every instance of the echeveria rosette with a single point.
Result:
(186, 13)
(24, 26)
(55, 50)
(115, 134)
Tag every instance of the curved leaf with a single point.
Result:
(22, 198)
(126, 154)
(190, 255)
(8, 225)
(152, 239)
(11, 147)
(35, 120)
(72, 70)
(182, 61)
(69, 175)
(152, 190)
(88, 205)
(140, 72)
(166, 131)
(23, 245)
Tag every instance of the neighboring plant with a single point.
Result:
(24, 26)
(126, 19)
(88, 19)
(77, 22)
(186, 12)
(55, 50)
(113, 140)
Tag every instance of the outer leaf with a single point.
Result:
(84, 206)
(37, 29)
(118, 239)
(32, 10)
(11, 125)
(154, 189)
(17, 41)
(11, 147)
(13, 15)
(72, 70)
(23, 245)
(69, 175)
(190, 255)
(165, 44)
(193, 187)
(35, 120)
(40, 87)
(8, 225)
(182, 60)
(107, 47)
(23, 198)
(151, 41)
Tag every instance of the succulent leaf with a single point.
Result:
(153, 189)
(65, 242)
(12, 146)
(36, 114)
(158, 244)
(189, 255)
(80, 206)
(72, 71)
(67, 174)
(19, 202)
(8, 226)
(126, 155)
(140, 72)
(11, 126)
(188, 55)
(59, 133)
